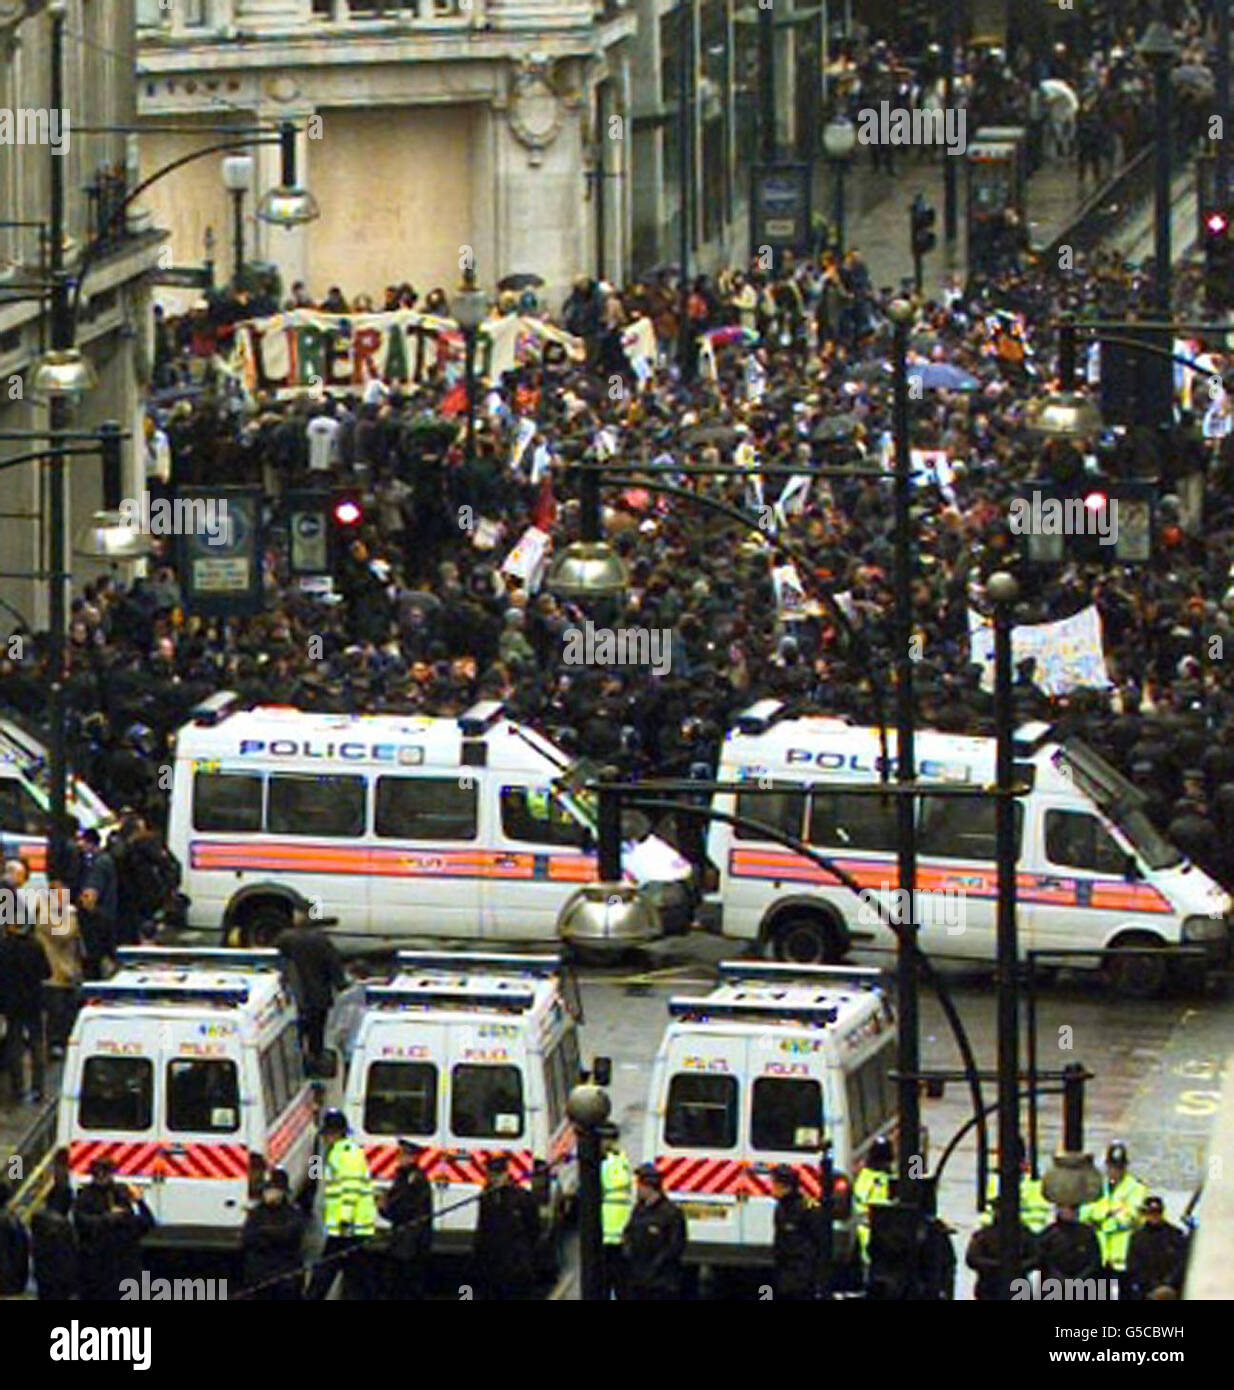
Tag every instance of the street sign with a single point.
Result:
(780, 207)
(308, 532)
(220, 567)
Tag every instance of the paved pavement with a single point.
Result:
(1156, 1066)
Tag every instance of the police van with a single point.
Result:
(1092, 869)
(390, 826)
(25, 801)
(469, 1055)
(760, 1072)
(184, 1069)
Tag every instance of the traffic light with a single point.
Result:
(347, 513)
(1218, 262)
(923, 239)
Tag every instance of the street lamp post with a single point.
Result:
(839, 142)
(1159, 48)
(908, 1060)
(588, 1107)
(469, 308)
(1003, 591)
(237, 179)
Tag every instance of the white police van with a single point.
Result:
(760, 1072)
(388, 826)
(469, 1055)
(184, 1069)
(1092, 869)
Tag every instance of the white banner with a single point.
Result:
(1069, 653)
(529, 558)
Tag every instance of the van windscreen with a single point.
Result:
(787, 1115)
(203, 1096)
(116, 1093)
(701, 1112)
(401, 1098)
(486, 1102)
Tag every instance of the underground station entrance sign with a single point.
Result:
(780, 208)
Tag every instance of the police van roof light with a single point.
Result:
(759, 717)
(215, 708)
(480, 963)
(707, 1009)
(164, 992)
(480, 718)
(734, 970)
(426, 993)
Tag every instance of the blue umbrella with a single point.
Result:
(942, 376)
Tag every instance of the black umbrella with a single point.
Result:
(835, 427)
(520, 281)
(869, 371)
(664, 268)
(701, 436)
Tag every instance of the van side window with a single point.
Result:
(960, 827)
(556, 1086)
(269, 1093)
(787, 1115)
(872, 1099)
(486, 1102)
(401, 1098)
(853, 822)
(570, 1061)
(1077, 840)
(701, 1112)
(280, 1072)
(203, 1096)
(288, 1042)
(226, 801)
(315, 804)
(117, 1093)
(20, 813)
(426, 808)
(783, 809)
(531, 815)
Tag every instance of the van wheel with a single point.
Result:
(263, 923)
(1136, 977)
(806, 939)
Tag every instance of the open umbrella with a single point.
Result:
(1195, 79)
(877, 370)
(835, 428)
(731, 333)
(664, 268)
(719, 436)
(521, 280)
(1060, 96)
(941, 376)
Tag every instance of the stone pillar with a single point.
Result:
(647, 194)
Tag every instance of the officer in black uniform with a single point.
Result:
(1068, 1248)
(507, 1230)
(654, 1240)
(408, 1207)
(1156, 1255)
(798, 1245)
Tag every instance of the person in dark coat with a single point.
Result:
(798, 1246)
(506, 1233)
(654, 1240)
(23, 968)
(1068, 1248)
(14, 1248)
(53, 1239)
(1156, 1254)
(982, 1257)
(97, 903)
(111, 1222)
(315, 974)
(408, 1207)
(272, 1241)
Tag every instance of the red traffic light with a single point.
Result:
(1217, 223)
(347, 512)
(1095, 501)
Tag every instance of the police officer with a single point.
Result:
(654, 1240)
(1156, 1254)
(507, 1229)
(349, 1213)
(983, 1257)
(1115, 1215)
(617, 1197)
(1068, 1249)
(871, 1188)
(408, 1207)
(798, 1245)
(272, 1242)
(1035, 1210)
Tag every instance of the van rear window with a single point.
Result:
(116, 1093)
(226, 801)
(486, 1102)
(702, 1112)
(203, 1097)
(401, 1098)
(787, 1115)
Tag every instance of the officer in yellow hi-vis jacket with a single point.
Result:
(1036, 1213)
(872, 1188)
(349, 1213)
(616, 1199)
(1118, 1212)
